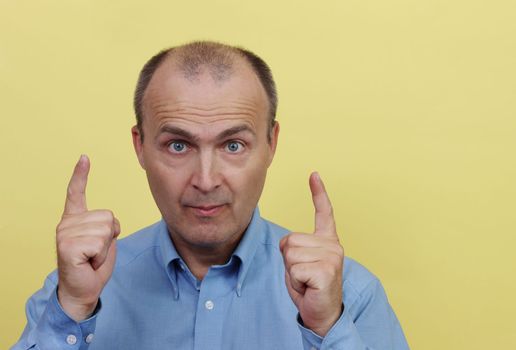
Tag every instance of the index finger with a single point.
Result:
(324, 221)
(76, 193)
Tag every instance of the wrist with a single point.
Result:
(321, 328)
(77, 309)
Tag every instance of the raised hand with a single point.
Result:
(86, 248)
(314, 264)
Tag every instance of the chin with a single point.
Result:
(208, 234)
(207, 231)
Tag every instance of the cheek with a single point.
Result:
(166, 182)
(248, 181)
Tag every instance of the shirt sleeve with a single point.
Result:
(50, 328)
(369, 323)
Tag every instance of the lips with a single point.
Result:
(207, 210)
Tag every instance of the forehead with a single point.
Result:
(204, 97)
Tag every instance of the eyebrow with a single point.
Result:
(177, 131)
(235, 130)
(224, 134)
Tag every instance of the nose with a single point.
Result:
(206, 176)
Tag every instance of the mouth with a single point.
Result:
(207, 210)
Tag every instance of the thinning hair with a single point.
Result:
(218, 59)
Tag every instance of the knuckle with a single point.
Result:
(61, 232)
(289, 254)
(291, 239)
(329, 268)
(59, 227)
(339, 250)
(61, 244)
(296, 271)
(110, 214)
(63, 224)
(105, 228)
(336, 262)
(64, 246)
(101, 215)
(97, 245)
(99, 228)
(287, 239)
(107, 214)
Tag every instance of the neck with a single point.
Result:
(200, 258)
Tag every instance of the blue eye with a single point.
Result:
(177, 147)
(233, 146)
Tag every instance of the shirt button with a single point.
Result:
(209, 305)
(89, 338)
(71, 339)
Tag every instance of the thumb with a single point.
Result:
(324, 221)
(76, 194)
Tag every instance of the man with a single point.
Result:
(212, 274)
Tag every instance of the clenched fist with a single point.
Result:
(314, 264)
(86, 248)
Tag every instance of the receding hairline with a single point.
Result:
(219, 60)
(195, 58)
(176, 62)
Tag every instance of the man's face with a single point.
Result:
(205, 152)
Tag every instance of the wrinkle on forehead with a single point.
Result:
(169, 86)
(204, 130)
(214, 114)
(207, 126)
(163, 109)
(169, 94)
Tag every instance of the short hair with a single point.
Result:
(218, 59)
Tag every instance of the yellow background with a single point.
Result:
(407, 109)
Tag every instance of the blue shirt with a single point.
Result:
(153, 301)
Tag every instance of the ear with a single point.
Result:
(274, 142)
(138, 144)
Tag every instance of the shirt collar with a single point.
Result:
(244, 252)
(246, 249)
(169, 255)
